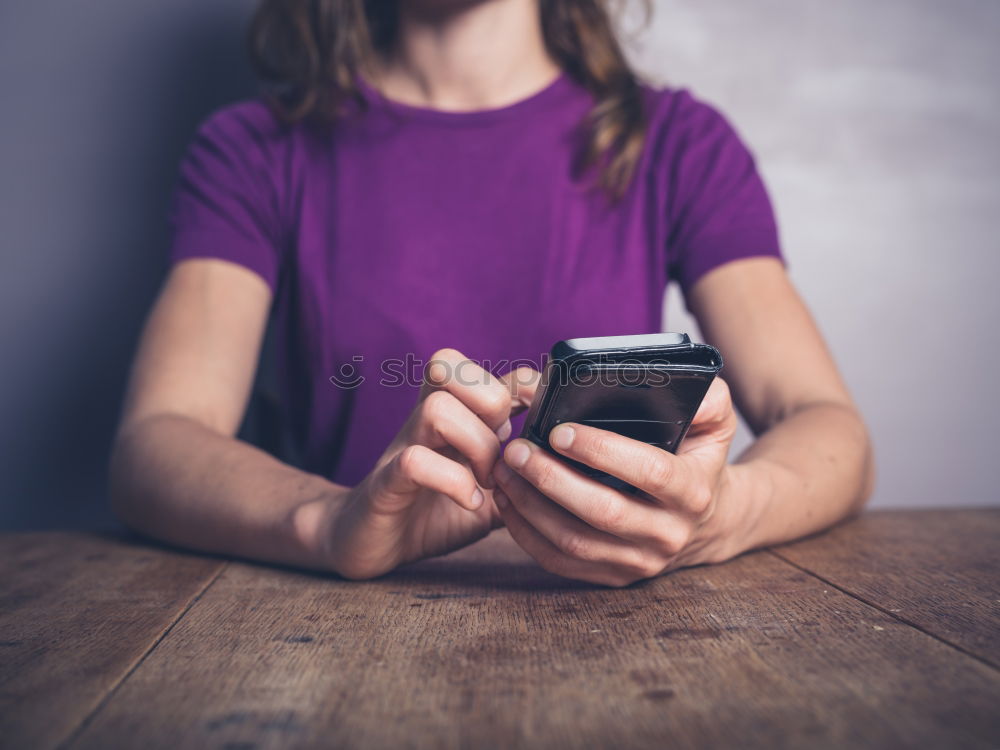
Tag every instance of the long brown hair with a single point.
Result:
(308, 54)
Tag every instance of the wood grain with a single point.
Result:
(77, 612)
(937, 570)
(484, 649)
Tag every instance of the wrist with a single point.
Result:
(742, 498)
(311, 523)
(755, 488)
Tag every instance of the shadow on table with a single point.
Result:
(461, 578)
(494, 563)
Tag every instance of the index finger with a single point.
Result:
(485, 394)
(656, 472)
(523, 384)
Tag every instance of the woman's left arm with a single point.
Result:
(810, 466)
(812, 463)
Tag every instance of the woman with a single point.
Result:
(484, 177)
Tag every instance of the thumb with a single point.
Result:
(713, 426)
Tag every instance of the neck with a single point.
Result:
(461, 55)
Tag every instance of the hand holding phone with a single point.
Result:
(646, 387)
(620, 494)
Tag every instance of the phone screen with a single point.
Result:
(648, 404)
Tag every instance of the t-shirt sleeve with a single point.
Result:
(226, 203)
(718, 208)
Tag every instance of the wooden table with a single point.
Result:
(884, 632)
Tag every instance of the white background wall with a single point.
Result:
(875, 124)
(877, 128)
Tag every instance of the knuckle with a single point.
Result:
(438, 368)
(682, 537)
(659, 473)
(542, 474)
(576, 546)
(437, 405)
(484, 443)
(674, 540)
(496, 401)
(599, 446)
(700, 500)
(610, 514)
(408, 461)
(648, 565)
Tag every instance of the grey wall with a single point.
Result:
(875, 125)
(99, 99)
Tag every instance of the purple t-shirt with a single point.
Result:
(400, 230)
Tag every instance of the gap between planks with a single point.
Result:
(106, 698)
(894, 615)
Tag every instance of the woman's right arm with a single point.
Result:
(177, 471)
(179, 474)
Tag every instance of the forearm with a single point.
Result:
(809, 471)
(177, 480)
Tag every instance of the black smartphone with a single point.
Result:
(646, 387)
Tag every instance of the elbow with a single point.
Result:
(131, 493)
(853, 455)
(866, 463)
(121, 486)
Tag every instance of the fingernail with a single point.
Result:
(517, 454)
(500, 499)
(477, 498)
(503, 432)
(562, 437)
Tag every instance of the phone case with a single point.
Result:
(646, 387)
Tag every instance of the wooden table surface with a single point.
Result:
(884, 632)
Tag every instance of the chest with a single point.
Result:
(484, 244)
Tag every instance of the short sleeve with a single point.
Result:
(227, 202)
(718, 208)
